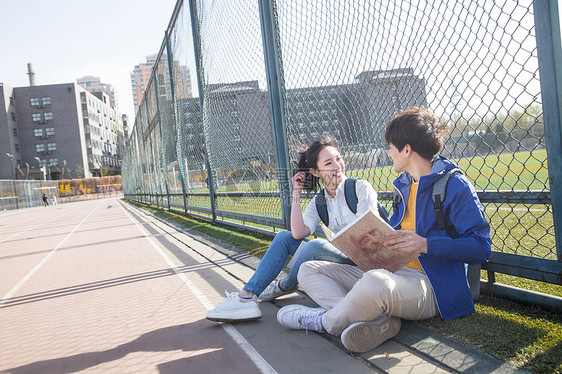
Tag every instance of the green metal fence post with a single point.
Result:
(199, 67)
(547, 27)
(175, 114)
(274, 73)
(149, 157)
(160, 126)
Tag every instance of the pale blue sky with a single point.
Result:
(68, 39)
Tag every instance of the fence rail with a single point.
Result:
(239, 87)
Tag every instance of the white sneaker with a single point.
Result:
(364, 336)
(273, 291)
(234, 309)
(300, 317)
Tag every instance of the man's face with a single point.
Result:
(398, 158)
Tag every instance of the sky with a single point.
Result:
(68, 39)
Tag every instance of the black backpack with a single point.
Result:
(350, 199)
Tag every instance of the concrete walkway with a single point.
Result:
(101, 286)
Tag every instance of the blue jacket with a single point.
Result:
(444, 263)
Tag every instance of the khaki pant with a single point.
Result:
(352, 295)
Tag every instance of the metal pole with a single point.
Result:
(174, 111)
(549, 48)
(160, 128)
(274, 72)
(199, 64)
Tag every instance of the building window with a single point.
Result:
(42, 163)
(40, 147)
(13, 116)
(17, 147)
(52, 146)
(11, 100)
(233, 102)
(50, 131)
(48, 116)
(34, 101)
(36, 117)
(234, 114)
(53, 161)
(38, 132)
(46, 100)
(15, 132)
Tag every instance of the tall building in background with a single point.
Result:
(140, 78)
(58, 131)
(93, 84)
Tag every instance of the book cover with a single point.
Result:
(362, 241)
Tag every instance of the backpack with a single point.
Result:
(351, 200)
(438, 196)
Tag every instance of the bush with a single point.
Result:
(84, 186)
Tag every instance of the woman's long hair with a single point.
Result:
(309, 160)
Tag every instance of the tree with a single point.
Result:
(79, 171)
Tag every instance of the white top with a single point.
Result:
(338, 211)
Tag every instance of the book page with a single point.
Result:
(296, 255)
(363, 242)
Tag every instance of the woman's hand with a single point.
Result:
(407, 241)
(298, 181)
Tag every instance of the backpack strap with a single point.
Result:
(321, 207)
(438, 195)
(396, 199)
(350, 189)
(383, 212)
(351, 199)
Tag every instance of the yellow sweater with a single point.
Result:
(409, 221)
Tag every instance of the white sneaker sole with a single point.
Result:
(365, 336)
(244, 316)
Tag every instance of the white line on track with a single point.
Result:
(257, 359)
(39, 265)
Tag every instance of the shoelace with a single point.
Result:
(312, 321)
(229, 295)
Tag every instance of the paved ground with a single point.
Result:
(100, 286)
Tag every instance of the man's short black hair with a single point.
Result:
(419, 128)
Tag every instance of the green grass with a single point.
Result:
(527, 337)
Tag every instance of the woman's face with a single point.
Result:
(330, 167)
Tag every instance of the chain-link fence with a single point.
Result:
(19, 194)
(240, 87)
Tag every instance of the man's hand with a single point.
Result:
(407, 241)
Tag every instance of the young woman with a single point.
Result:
(320, 162)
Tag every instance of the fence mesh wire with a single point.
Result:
(347, 67)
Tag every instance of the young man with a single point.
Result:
(366, 307)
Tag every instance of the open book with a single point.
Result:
(361, 240)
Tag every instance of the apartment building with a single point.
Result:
(94, 85)
(56, 131)
(140, 78)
